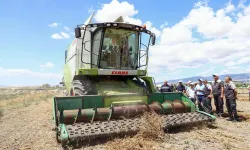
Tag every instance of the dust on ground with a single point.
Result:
(26, 123)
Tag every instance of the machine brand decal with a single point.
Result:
(120, 72)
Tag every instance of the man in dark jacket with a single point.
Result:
(165, 87)
(218, 94)
(208, 95)
(231, 96)
(180, 87)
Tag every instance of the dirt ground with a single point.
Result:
(26, 123)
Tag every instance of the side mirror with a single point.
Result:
(153, 40)
(77, 32)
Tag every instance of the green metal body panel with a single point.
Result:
(67, 77)
(92, 71)
(118, 88)
(109, 100)
(149, 82)
(161, 97)
(64, 133)
(76, 102)
(142, 72)
(212, 116)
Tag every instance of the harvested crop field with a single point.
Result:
(26, 123)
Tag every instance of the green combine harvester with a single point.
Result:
(105, 74)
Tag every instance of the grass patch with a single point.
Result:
(26, 100)
(9, 96)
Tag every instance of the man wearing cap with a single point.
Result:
(165, 87)
(218, 93)
(199, 90)
(180, 87)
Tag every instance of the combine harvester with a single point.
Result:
(105, 74)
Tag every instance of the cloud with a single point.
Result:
(207, 72)
(176, 34)
(124, 9)
(233, 67)
(224, 71)
(242, 4)
(15, 76)
(221, 41)
(54, 25)
(47, 65)
(56, 36)
(248, 69)
(66, 28)
(106, 13)
(65, 35)
(62, 36)
(150, 27)
(229, 7)
(209, 23)
(164, 25)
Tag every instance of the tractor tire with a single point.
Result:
(83, 87)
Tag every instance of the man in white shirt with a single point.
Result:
(199, 91)
(191, 93)
(187, 86)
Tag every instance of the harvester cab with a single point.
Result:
(105, 74)
(110, 51)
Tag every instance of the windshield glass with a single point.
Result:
(120, 49)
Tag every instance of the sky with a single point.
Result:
(193, 37)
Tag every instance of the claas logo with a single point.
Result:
(120, 72)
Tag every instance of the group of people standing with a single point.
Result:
(201, 94)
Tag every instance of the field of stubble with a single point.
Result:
(25, 123)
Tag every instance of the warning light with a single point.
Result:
(144, 26)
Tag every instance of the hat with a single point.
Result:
(200, 80)
(192, 83)
(189, 82)
(215, 74)
(180, 81)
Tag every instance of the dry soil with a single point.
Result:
(26, 123)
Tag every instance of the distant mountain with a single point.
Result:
(236, 77)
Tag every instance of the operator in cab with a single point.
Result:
(166, 87)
